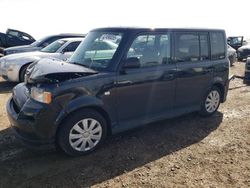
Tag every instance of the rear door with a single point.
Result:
(146, 92)
(194, 68)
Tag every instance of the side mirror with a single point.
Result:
(131, 63)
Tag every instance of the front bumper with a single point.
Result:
(31, 125)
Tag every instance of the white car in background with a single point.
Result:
(13, 67)
(232, 55)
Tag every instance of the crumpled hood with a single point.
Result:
(52, 70)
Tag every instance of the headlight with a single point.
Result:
(9, 67)
(2, 63)
(40, 95)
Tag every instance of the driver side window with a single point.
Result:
(151, 50)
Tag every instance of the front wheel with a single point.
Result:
(82, 132)
(211, 102)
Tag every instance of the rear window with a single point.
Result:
(218, 50)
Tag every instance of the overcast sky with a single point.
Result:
(44, 17)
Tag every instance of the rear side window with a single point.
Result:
(218, 50)
(187, 47)
(151, 50)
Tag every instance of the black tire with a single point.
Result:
(63, 133)
(204, 111)
(22, 73)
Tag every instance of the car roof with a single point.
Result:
(72, 39)
(71, 34)
(142, 29)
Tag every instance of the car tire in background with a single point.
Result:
(82, 132)
(211, 102)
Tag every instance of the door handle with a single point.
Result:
(124, 82)
(169, 77)
(209, 70)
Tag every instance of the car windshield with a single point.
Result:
(53, 47)
(97, 50)
(38, 42)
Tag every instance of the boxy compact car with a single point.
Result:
(13, 67)
(150, 75)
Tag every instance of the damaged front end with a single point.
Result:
(55, 71)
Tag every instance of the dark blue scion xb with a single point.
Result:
(118, 79)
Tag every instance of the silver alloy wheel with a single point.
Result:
(212, 101)
(85, 134)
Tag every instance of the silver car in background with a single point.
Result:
(13, 67)
(232, 55)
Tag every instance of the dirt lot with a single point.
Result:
(184, 152)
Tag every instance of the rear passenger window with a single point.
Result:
(151, 50)
(218, 50)
(187, 47)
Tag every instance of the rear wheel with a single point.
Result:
(82, 132)
(211, 102)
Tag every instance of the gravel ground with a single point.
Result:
(189, 151)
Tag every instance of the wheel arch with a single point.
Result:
(221, 87)
(62, 116)
(21, 68)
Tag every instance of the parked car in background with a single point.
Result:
(232, 55)
(15, 38)
(235, 41)
(247, 72)
(13, 67)
(39, 44)
(150, 75)
(243, 52)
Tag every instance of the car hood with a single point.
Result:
(25, 55)
(54, 71)
(244, 47)
(18, 49)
